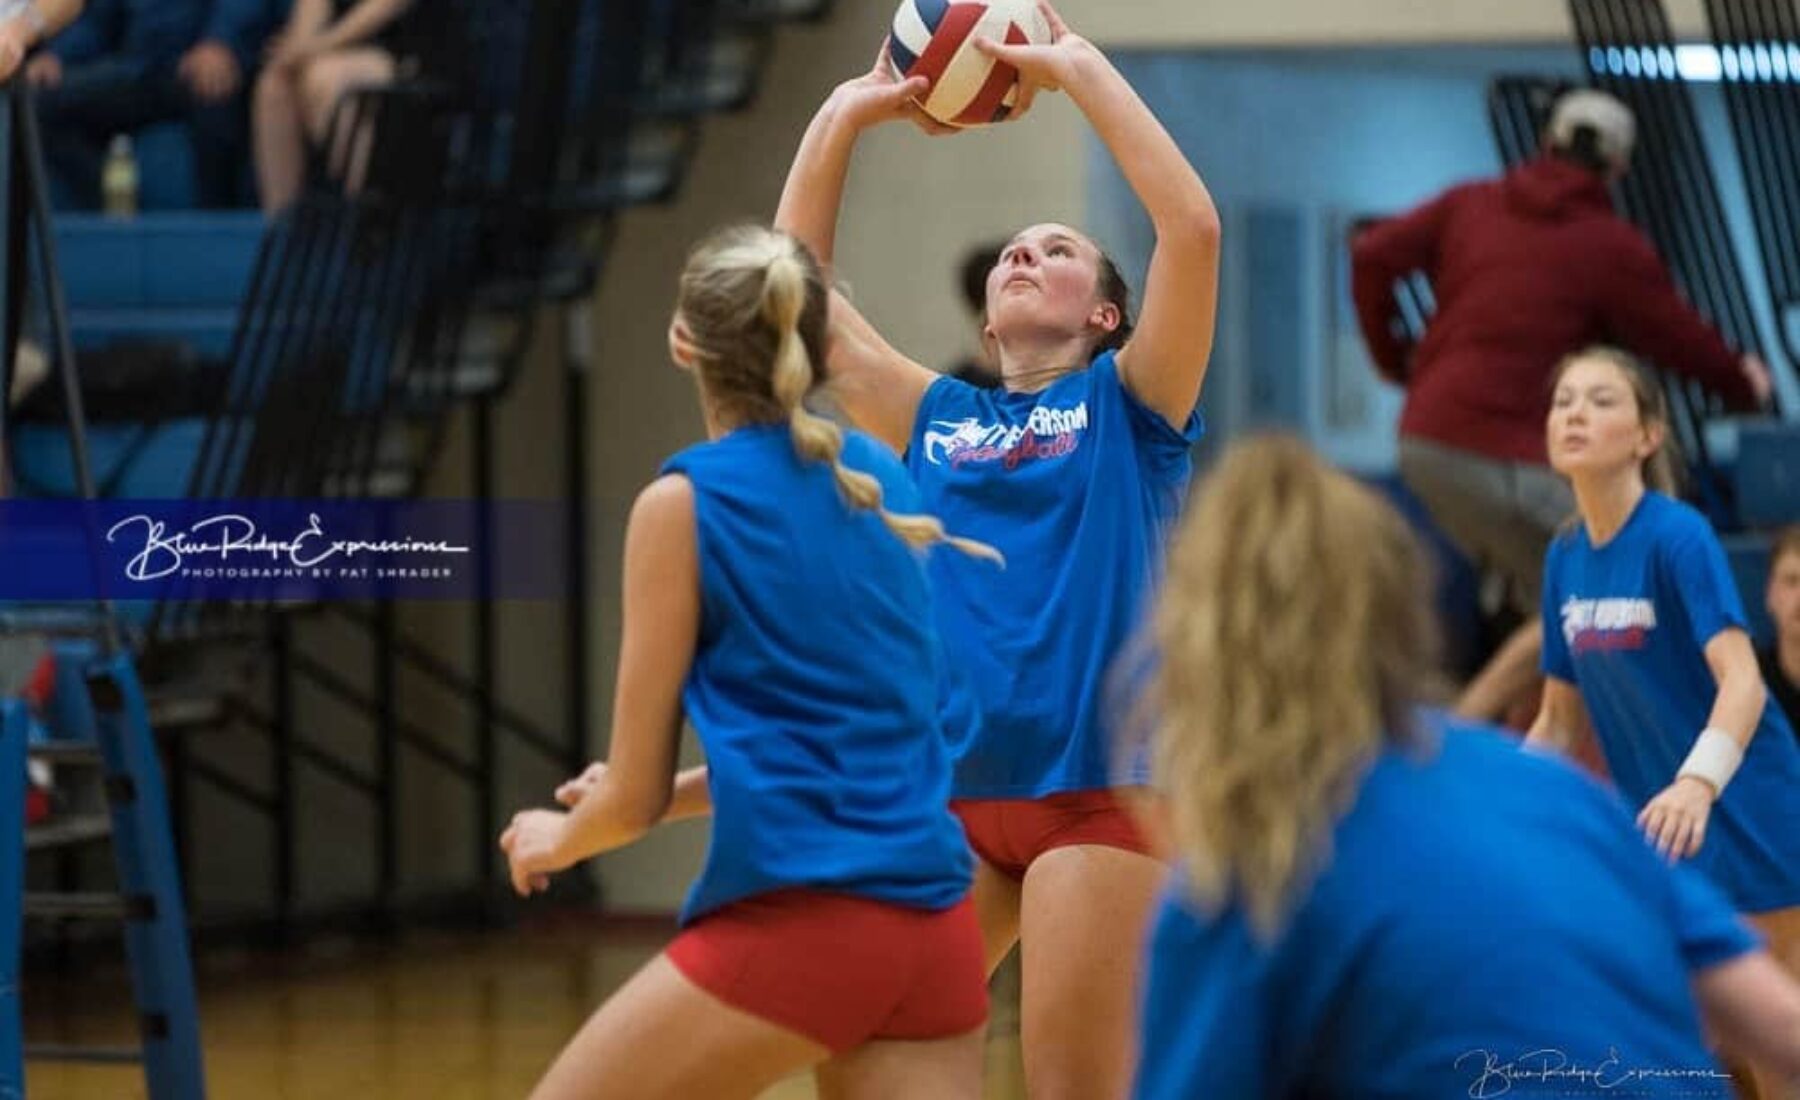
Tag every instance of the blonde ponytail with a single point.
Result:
(815, 437)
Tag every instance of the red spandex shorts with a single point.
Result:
(839, 969)
(1008, 833)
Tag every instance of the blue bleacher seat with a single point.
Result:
(161, 278)
(1768, 473)
(167, 178)
(1749, 558)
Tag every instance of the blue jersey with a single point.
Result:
(815, 684)
(1627, 623)
(1079, 486)
(1490, 922)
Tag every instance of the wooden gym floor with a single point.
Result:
(463, 1017)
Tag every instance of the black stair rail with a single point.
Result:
(1758, 42)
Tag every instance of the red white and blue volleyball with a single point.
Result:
(935, 39)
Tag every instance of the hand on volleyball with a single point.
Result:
(533, 844)
(879, 96)
(1046, 67)
(1675, 820)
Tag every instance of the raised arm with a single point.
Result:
(875, 385)
(660, 630)
(1644, 311)
(1165, 361)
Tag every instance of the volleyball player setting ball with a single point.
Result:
(1075, 470)
(1644, 630)
(772, 597)
(1376, 900)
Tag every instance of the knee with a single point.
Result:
(274, 91)
(321, 82)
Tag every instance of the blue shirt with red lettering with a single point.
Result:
(1078, 485)
(1627, 622)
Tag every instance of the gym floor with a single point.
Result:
(451, 1017)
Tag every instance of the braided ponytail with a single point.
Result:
(754, 303)
(815, 437)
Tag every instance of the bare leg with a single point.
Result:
(280, 145)
(996, 897)
(663, 1036)
(324, 84)
(1085, 910)
(1507, 675)
(1781, 930)
(949, 1069)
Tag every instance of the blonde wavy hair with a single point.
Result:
(1293, 640)
(753, 309)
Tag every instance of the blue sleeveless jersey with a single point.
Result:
(1079, 486)
(815, 684)
(1627, 623)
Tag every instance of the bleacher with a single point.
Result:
(327, 355)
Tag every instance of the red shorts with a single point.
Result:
(1008, 833)
(841, 970)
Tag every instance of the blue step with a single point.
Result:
(1768, 473)
(207, 331)
(158, 261)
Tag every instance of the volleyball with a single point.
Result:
(935, 39)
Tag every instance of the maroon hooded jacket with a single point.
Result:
(1525, 269)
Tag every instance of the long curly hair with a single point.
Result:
(1293, 642)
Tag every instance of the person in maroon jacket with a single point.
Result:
(1526, 269)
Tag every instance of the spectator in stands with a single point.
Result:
(978, 369)
(1526, 269)
(25, 23)
(1781, 659)
(328, 48)
(129, 64)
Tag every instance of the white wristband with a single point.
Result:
(1714, 758)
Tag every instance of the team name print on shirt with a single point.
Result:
(1610, 624)
(1046, 433)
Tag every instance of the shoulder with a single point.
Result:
(1678, 524)
(1676, 515)
(664, 503)
(864, 452)
(947, 395)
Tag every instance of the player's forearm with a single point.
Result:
(692, 796)
(1738, 707)
(814, 192)
(1171, 191)
(609, 816)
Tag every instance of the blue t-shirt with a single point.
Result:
(1627, 623)
(1485, 912)
(815, 684)
(1078, 485)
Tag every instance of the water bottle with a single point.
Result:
(119, 179)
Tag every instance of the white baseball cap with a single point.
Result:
(1613, 124)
